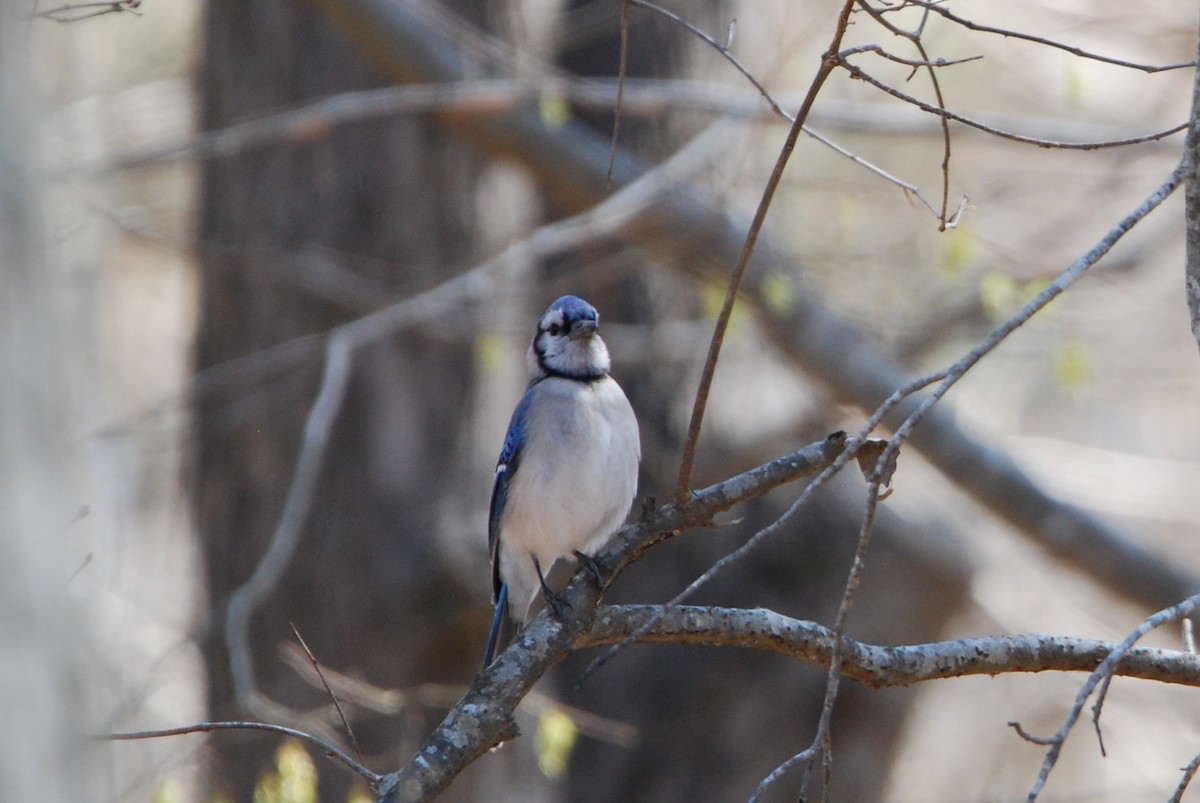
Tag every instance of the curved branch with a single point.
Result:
(1008, 33)
(1101, 677)
(876, 666)
(270, 568)
(828, 62)
(207, 727)
(858, 73)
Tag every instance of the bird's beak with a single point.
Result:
(583, 329)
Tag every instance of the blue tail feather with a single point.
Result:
(497, 621)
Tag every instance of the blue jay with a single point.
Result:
(568, 469)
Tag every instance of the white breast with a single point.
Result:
(575, 481)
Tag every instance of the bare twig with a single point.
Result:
(821, 742)
(74, 12)
(915, 38)
(720, 48)
(325, 683)
(1029, 737)
(944, 10)
(1103, 675)
(443, 696)
(858, 73)
(723, 49)
(828, 62)
(622, 74)
(1188, 772)
(372, 778)
(923, 62)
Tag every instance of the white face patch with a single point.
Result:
(570, 347)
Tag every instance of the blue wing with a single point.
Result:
(506, 468)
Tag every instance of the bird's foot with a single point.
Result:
(556, 603)
(591, 566)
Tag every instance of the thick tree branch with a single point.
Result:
(876, 666)
(484, 717)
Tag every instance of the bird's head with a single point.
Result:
(567, 342)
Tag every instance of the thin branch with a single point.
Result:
(828, 62)
(333, 751)
(483, 97)
(720, 48)
(1188, 772)
(910, 189)
(622, 74)
(776, 108)
(821, 738)
(1102, 675)
(847, 454)
(75, 12)
(301, 492)
(858, 73)
(915, 38)
(1063, 281)
(325, 683)
(923, 62)
(1029, 737)
(944, 10)
(723, 49)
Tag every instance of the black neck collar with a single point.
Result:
(587, 377)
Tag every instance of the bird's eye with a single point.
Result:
(554, 330)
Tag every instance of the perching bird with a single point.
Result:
(568, 469)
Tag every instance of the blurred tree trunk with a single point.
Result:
(371, 590)
(378, 209)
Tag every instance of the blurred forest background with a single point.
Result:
(163, 373)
